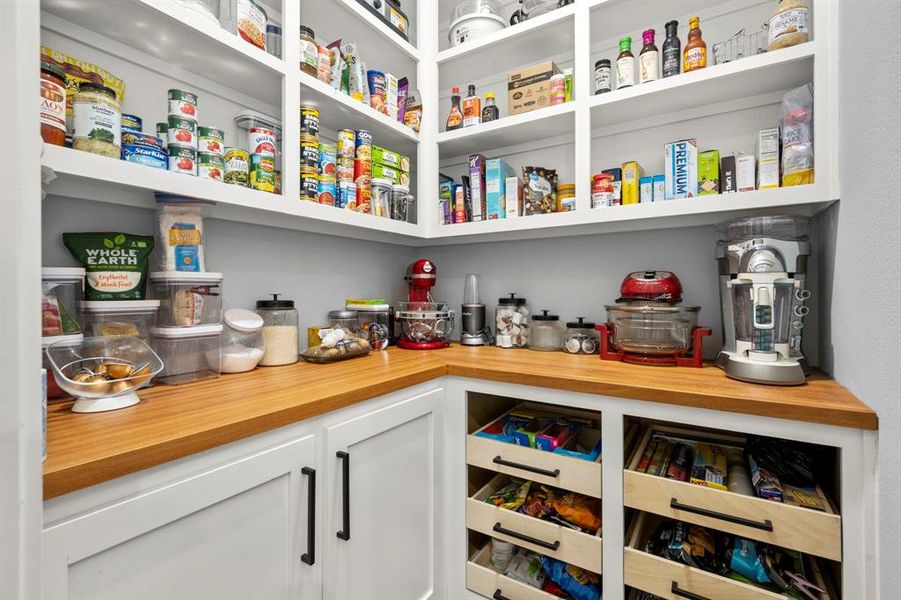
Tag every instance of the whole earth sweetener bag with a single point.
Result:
(115, 264)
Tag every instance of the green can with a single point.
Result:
(262, 173)
(237, 166)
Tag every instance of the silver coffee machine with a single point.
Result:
(762, 264)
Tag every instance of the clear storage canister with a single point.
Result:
(188, 353)
(187, 299)
(242, 340)
(375, 321)
(547, 332)
(344, 318)
(512, 322)
(280, 331)
(400, 203)
(381, 197)
(126, 317)
(61, 288)
(73, 341)
(581, 337)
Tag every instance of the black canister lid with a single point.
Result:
(545, 316)
(580, 324)
(307, 30)
(512, 300)
(604, 62)
(275, 303)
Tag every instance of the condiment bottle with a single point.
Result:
(648, 58)
(491, 112)
(472, 107)
(455, 116)
(672, 50)
(788, 25)
(625, 64)
(602, 76)
(695, 55)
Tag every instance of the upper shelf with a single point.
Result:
(339, 111)
(530, 41)
(181, 37)
(755, 75)
(92, 177)
(362, 14)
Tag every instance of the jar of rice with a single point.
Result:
(280, 331)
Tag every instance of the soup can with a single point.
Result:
(328, 160)
(345, 169)
(327, 190)
(346, 148)
(237, 166)
(363, 145)
(347, 195)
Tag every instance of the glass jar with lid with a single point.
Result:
(581, 337)
(280, 331)
(374, 318)
(344, 318)
(97, 120)
(242, 340)
(547, 332)
(511, 316)
(309, 51)
(53, 104)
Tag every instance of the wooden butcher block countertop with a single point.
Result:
(176, 421)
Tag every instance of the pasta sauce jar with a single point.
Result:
(53, 104)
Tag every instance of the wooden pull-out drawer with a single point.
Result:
(675, 581)
(483, 579)
(806, 530)
(544, 537)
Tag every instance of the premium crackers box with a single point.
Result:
(681, 169)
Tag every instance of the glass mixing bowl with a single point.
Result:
(423, 322)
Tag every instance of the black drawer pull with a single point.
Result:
(765, 526)
(500, 461)
(526, 538)
(309, 557)
(344, 533)
(498, 595)
(686, 594)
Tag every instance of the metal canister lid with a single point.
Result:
(580, 324)
(512, 300)
(342, 314)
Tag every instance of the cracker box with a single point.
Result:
(529, 88)
(631, 177)
(681, 169)
(391, 159)
(477, 186)
(513, 197)
(709, 172)
(646, 189)
(744, 172)
(496, 173)
(659, 188)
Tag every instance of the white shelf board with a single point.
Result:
(92, 177)
(613, 18)
(183, 38)
(524, 43)
(770, 72)
(688, 212)
(339, 111)
(538, 124)
(361, 13)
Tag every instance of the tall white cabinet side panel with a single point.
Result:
(231, 532)
(382, 534)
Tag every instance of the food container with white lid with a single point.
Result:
(71, 343)
(547, 332)
(242, 340)
(188, 353)
(62, 288)
(187, 299)
(374, 319)
(124, 317)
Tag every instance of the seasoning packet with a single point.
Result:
(115, 263)
(413, 111)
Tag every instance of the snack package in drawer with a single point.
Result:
(556, 434)
(502, 429)
(526, 436)
(586, 445)
(710, 467)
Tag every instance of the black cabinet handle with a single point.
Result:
(526, 538)
(309, 557)
(547, 473)
(344, 533)
(765, 526)
(498, 595)
(685, 593)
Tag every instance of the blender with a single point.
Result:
(762, 264)
(474, 330)
(425, 324)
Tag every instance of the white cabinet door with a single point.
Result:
(382, 502)
(233, 532)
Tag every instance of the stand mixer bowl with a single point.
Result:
(425, 322)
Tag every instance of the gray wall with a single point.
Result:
(861, 246)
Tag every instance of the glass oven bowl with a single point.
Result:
(652, 329)
(103, 373)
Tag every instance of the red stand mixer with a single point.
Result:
(425, 324)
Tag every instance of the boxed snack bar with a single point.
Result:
(390, 159)
(513, 197)
(477, 186)
(681, 169)
(709, 172)
(728, 180)
(744, 169)
(496, 173)
(529, 88)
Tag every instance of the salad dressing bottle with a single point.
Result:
(648, 58)
(625, 64)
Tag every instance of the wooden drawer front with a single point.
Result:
(482, 579)
(802, 529)
(572, 474)
(562, 543)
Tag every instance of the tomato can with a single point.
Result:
(309, 184)
(183, 104)
(328, 160)
(183, 160)
(181, 132)
(211, 140)
(210, 166)
(327, 190)
(309, 122)
(309, 154)
(261, 141)
(363, 145)
(362, 172)
(602, 190)
(237, 166)
(346, 144)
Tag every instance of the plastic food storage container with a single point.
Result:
(280, 331)
(250, 125)
(61, 288)
(126, 317)
(188, 353)
(242, 340)
(69, 342)
(512, 321)
(581, 337)
(187, 299)
(375, 321)
(347, 319)
(547, 332)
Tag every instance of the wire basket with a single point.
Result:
(741, 44)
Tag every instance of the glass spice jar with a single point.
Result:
(53, 104)
(97, 120)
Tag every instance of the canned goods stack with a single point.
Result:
(141, 148)
(363, 170)
(309, 153)
(181, 132)
(346, 151)
(262, 134)
(328, 184)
